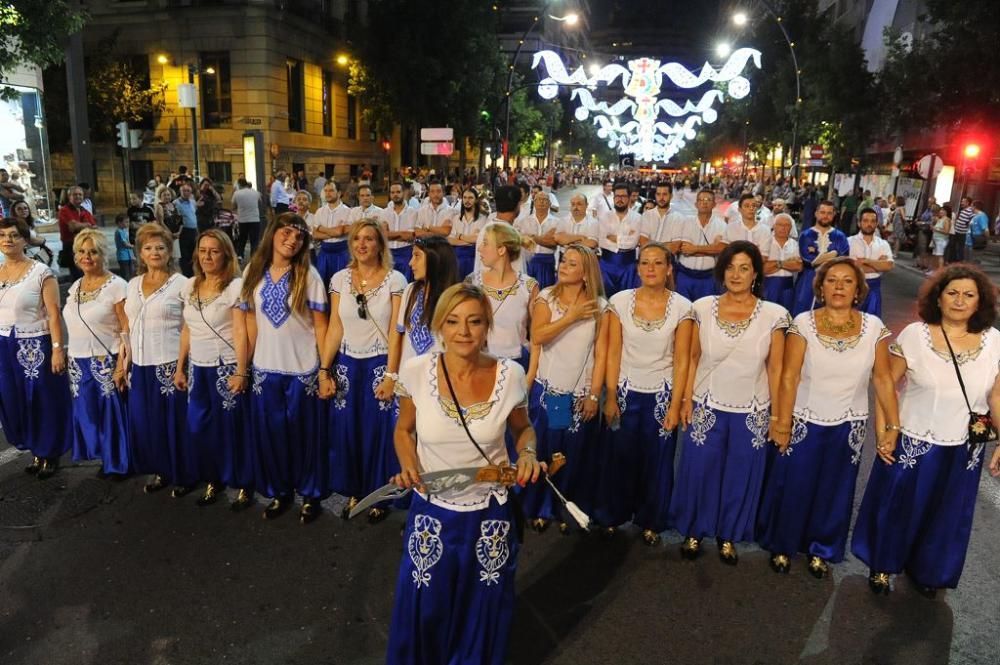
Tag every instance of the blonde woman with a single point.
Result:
(212, 367)
(156, 409)
(286, 307)
(98, 333)
(364, 301)
(167, 216)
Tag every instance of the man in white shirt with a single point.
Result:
(619, 238)
(541, 227)
(578, 227)
(397, 220)
(318, 184)
(602, 202)
(763, 214)
(695, 241)
(435, 216)
(874, 256)
(747, 227)
(781, 263)
(366, 208)
(656, 223)
(330, 225)
(279, 196)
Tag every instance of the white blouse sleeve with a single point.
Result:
(401, 319)
(397, 283)
(316, 296)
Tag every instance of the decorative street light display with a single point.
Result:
(643, 133)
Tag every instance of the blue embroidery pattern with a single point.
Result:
(800, 429)
(311, 382)
(975, 457)
(420, 335)
(222, 373)
(274, 299)
(30, 356)
(424, 547)
(757, 422)
(377, 375)
(492, 550)
(258, 381)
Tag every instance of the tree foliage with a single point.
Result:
(117, 92)
(34, 32)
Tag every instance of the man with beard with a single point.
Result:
(618, 241)
(330, 225)
(695, 242)
(435, 217)
(658, 224)
(366, 208)
(398, 219)
(874, 256)
(817, 245)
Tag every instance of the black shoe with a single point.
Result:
(48, 469)
(539, 525)
(310, 510)
(928, 592)
(691, 548)
(376, 514)
(346, 512)
(154, 485)
(727, 552)
(780, 563)
(818, 568)
(179, 491)
(879, 583)
(277, 507)
(211, 494)
(101, 474)
(243, 501)
(650, 537)
(35, 466)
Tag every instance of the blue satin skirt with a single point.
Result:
(157, 432)
(694, 284)
(543, 268)
(916, 515)
(720, 474)
(873, 302)
(466, 257)
(579, 479)
(362, 453)
(809, 493)
(401, 261)
(618, 271)
(291, 449)
(454, 600)
(331, 259)
(805, 299)
(638, 469)
(218, 424)
(35, 407)
(100, 424)
(780, 290)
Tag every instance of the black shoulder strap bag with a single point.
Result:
(981, 429)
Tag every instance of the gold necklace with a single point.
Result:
(93, 285)
(838, 328)
(363, 281)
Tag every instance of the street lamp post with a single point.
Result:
(194, 125)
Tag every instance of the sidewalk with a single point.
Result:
(988, 260)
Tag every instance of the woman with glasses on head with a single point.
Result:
(34, 396)
(364, 301)
(212, 367)
(286, 306)
(736, 353)
(98, 336)
(156, 409)
(569, 323)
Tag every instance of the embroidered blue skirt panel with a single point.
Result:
(638, 468)
(916, 514)
(809, 492)
(618, 271)
(466, 257)
(331, 258)
(873, 302)
(100, 425)
(35, 407)
(362, 454)
(543, 268)
(401, 261)
(720, 474)
(780, 290)
(804, 296)
(218, 423)
(454, 598)
(694, 284)
(291, 450)
(157, 433)
(579, 479)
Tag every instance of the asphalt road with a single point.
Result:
(95, 572)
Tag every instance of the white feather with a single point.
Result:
(581, 517)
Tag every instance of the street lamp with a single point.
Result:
(740, 18)
(723, 49)
(594, 68)
(569, 19)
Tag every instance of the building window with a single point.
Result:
(221, 173)
(216, 92)
(352, 117)
(142, 172)
(296, 93)
(327, 103)
(328, 170)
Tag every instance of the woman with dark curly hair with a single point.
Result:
(916, 514)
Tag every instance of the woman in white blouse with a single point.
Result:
(465, 230)
(285, 301)
(736, 353)
(34, 394)
(364, 301)
(212, 367)
(156, 409)
(98, 333)
(832, 355)
(916, 514)
(454, 599)
(569, 322)
(649, 339)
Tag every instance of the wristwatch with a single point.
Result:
(56, 345)
(593, 398)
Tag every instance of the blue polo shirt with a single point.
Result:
(186, 207)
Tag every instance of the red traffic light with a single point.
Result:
(972, 150)
(386, 146)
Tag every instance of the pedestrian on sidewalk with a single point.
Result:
(942, 234)
(123, 247)
(979, 232)
(960, 229)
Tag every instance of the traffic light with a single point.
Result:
(972, 150)
(123, 137)
(387, 146)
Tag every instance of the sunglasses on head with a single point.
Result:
(362, 306)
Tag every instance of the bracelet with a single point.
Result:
(782, 431)
(391, 375)
(891, 428)
(593, 398)
(773, 419)
(56, 346)
(328, 370)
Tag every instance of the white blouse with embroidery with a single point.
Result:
(931, 406)
(442, 443)
(22, 312)
(365, 338)
(566, 365)
(286, 340)
(155, 322)
(206, 347)
(95, 309)
(511, 313)
(836, 373)
(417, 338)
(732, 370)
(647, 363)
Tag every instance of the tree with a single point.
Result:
(119, 93)
(34, 32)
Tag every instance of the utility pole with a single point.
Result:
(79, 124)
